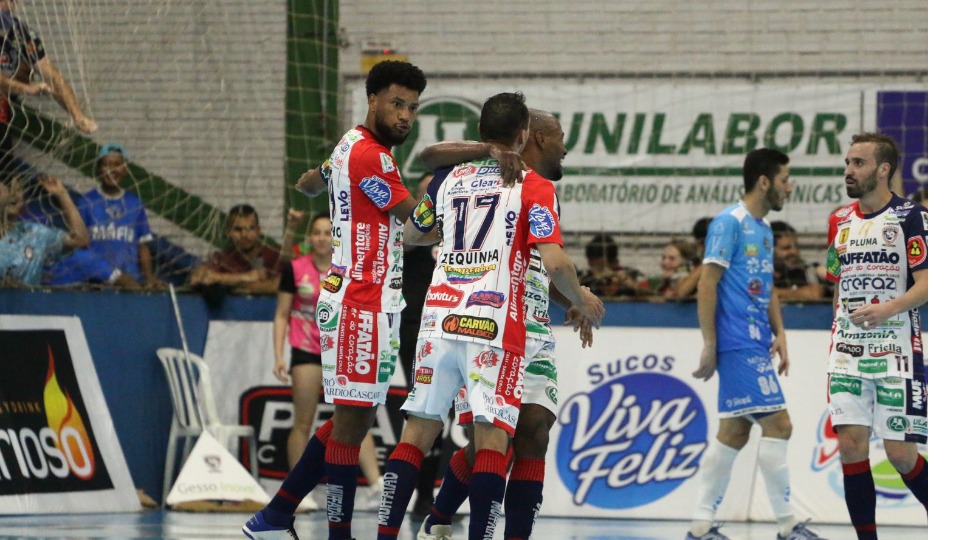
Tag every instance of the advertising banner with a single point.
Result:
(57, 442)
(655, 156)
(634, 423)
(632, 426)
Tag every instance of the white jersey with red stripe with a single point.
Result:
(486, 232)
(364, 184)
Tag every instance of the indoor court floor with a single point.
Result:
(159, 524)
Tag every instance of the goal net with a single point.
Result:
(221, 102)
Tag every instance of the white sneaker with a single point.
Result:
(437, 532)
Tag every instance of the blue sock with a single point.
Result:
(303, 477)
(342, 470)
(486, 493)
(861, 496)
(916, 480)
(523, 498)
(453, 491)
(399, 481)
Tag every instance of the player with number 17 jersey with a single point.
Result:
(486, 231)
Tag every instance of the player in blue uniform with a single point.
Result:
(742, 330)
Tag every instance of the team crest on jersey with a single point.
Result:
(844, 236)
(492, 299)
(755, 286)
(542, 223)
(114, 212)
(386, 163)
(916, 251)
(844, 212)
(377, 190)
(890, 234)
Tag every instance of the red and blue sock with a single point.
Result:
(305, 475)
(453, 491)
(399, 482)
(342, 470)
(916, 480)
(486, 493)
(523, 498)
(861, 496)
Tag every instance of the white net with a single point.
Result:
(222, 102)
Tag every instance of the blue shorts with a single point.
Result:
(748, 384)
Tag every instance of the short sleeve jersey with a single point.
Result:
(872, 258)
(24, 249)
(487, 231)
(743, 245)
(301, 278)
(231, 261)
(364, 184)
(118, 225)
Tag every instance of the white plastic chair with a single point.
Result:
(194, 410)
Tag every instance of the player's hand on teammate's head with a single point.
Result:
(511, 165)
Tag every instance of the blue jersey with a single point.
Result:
(25, 247)
(117, 225)
(743, 245)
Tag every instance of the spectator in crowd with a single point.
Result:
(86, 266)
(675, 262)
(606, 277)
(26, 246)
(248, 265)
(920, 196)
(687, 287)
(117, 220)
(793, 278)
(26, 70)
(295, 319)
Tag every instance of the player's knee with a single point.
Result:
(902, 457)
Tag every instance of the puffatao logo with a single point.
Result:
(631, 441)
(439, 119)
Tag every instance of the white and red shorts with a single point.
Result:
(489, 379)
(894, 409)
(539, 381)
(358, 349)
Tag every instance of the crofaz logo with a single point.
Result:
(492, 299)
(630, 441)
(443, 296)
(464, 325)
(853, 350)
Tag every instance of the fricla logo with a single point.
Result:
(891, 491)
(631, 441)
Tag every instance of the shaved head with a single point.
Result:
(545, 151)
(542, 120)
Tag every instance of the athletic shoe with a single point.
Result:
(713, 534)
(801, 532)
(257, 528)
(437, 532)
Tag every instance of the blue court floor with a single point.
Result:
(159, 524)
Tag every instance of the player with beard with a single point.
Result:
(544, 153)
(742, 330)
(877, 255)
(359, 307)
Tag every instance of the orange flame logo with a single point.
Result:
(72, 438)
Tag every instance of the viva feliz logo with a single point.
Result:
(632, 439)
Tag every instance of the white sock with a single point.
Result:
(714, 477)
(776, 477)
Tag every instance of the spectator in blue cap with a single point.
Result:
(117, 219)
